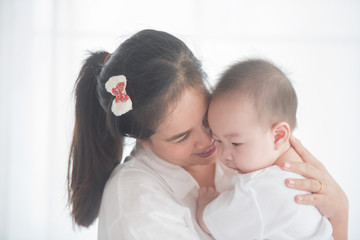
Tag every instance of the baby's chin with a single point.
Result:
(249, 170)
(235, 169)
(245, 170)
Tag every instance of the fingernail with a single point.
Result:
(291, 182)
(299, 198)
(287, 165)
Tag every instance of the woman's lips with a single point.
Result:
(208, 153)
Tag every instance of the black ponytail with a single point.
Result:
(94, 150)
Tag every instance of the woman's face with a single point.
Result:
(182, 139)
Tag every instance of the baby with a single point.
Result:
(252, 114)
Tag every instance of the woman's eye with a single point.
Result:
(236, 144)
(218, 141)
(184, 138)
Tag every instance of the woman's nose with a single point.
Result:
(204, 139)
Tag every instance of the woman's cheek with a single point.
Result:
(182, 151)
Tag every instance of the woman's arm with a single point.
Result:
(330, 200)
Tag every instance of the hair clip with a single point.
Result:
(122, 103)
(107, 58)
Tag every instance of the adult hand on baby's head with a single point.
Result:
(326, 195)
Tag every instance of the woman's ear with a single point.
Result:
(144, 143)
(281, 133)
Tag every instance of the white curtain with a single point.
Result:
(43, 43)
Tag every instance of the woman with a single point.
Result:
(152, 89)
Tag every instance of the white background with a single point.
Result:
(43, 43)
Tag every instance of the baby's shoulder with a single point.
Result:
(267, 180)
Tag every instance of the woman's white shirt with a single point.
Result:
(149, 198)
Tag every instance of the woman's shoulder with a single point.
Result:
(130, 190)
(132, 172)
(130, 182)
(141, 170)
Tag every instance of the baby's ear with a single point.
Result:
(281, 133)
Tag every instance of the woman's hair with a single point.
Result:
(266, 85)
(158, 68)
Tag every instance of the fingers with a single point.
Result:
(309, 199)
(304, 169)
(305, 155)
(299, 148)
(309, 185)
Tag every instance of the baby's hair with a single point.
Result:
(266, 85)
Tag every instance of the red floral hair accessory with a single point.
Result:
(122, 103)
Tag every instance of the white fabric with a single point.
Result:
(261, 207)
(148, 198)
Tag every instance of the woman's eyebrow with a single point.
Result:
(177, 136)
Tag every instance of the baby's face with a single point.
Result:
(242, 142)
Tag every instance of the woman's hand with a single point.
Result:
(326, 195)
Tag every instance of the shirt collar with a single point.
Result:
(177, 178)
(223, 177)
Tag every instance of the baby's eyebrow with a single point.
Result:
(232, 135)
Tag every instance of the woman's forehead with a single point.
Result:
(185, 114)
